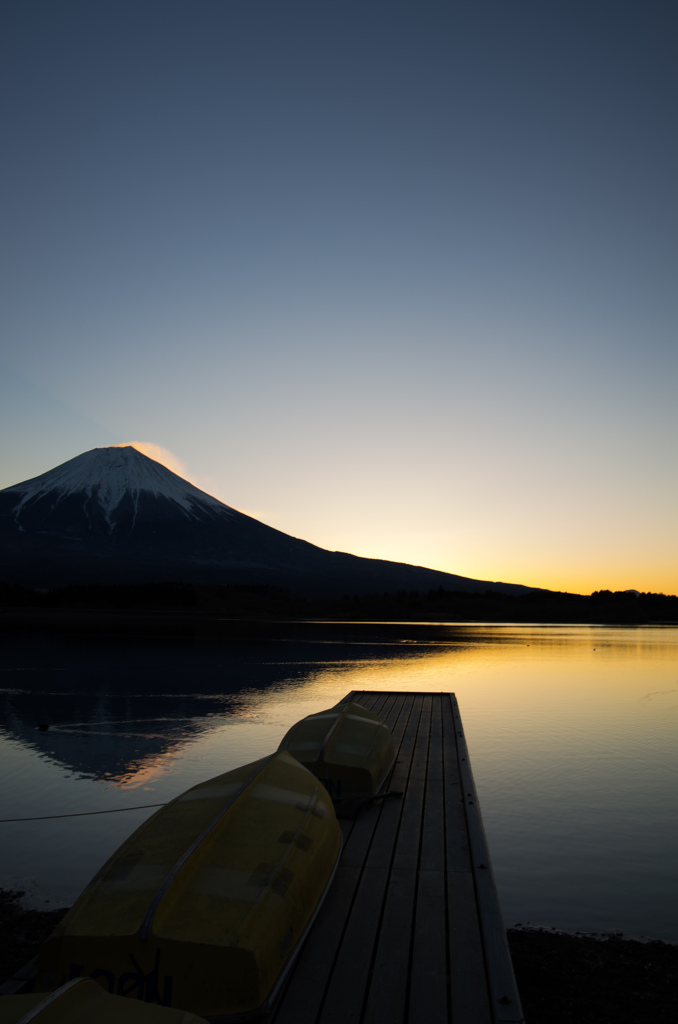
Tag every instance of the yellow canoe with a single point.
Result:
(206, 903)
(83, 1001)
(347, 747)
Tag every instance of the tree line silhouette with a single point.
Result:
(603, 606)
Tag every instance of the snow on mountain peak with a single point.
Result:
(112, 473)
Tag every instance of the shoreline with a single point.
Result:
(208, 623)
(194, 602)
(562, 978)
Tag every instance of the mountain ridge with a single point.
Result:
(114, 515)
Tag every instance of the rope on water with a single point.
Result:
(81, 814)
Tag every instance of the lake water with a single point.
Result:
(573, 734)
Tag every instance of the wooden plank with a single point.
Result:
(433, 820)
(504, 998)
(397, 720)
(388, 711)
(377, 701)
(303, 998)
(388, 991)
(457, 844)
(348, 984)
(364, 828)
(397, 717)
(384, 840)
(420, 752)
(469, 997)
(428, 1002)
(407, 841)
(379, 704)
(358, 842)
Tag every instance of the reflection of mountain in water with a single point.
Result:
(120, 708)
(119, 711)
(127, 751)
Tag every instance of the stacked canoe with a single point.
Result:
(82, 1001)
(348, 748)
(205, 905)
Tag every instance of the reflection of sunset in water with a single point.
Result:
(147, 771)
(571, 731)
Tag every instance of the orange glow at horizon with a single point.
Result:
(574, 571)
(581, 574)
(554, 551)
(578, 578)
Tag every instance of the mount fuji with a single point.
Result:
(113, 515)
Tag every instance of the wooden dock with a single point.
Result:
(411, 929)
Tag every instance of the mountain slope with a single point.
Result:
(112, 515)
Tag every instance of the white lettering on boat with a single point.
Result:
(148, 987)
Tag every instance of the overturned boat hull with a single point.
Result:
(206, 903)
(82, 1001)
(348, 748)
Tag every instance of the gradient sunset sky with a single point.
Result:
(398, 278)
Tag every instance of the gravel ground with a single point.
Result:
(562, 979)
(22, 932)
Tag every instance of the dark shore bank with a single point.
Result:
(562, 979)
(196, 602)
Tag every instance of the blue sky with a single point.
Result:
(398, 278)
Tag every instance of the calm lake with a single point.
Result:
(573, 734)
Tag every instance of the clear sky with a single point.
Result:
(397, 277)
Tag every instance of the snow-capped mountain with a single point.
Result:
(107, 485)
(113, 515)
